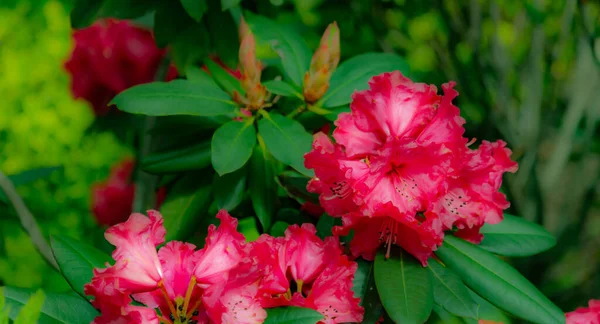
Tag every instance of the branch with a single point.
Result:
(27, 220)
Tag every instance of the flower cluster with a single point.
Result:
(109, 57)
(112, 200)
(585, 315)
(226, 281)
(401, 171)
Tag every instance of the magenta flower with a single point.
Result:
(173, 279)
(398, 155)
(585, 315)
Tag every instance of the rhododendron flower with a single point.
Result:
(302, 270)
(173, 279)
(112, 200)
(400, 171)
(109, 57)
(585, 315)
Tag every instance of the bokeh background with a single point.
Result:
(527, 72)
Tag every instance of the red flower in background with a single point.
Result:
(585, 315)
(112, 200)
(400, 171)
(109, 57)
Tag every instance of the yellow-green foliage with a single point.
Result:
(42, 125)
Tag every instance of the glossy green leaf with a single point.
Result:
(282, 88)
(187, 158)
(292, 315)
(450, 292)
(487, 311)
(291, 48)
(405, 287)
(77, 261)
(28, 176)
(232, 146)
(278, 229)
(295, 184)
(325, 226)
(498, 282)
(229, 189)
(247, 226)
(223, 33)
(515, 236)
(227, 81)
(195, 8)
(198, 75)
(31, 311)
(57, 308)
(355, 73)
(365, 288)
(228, 4)
(287, 140)
(187, 200)
(167, 126)
(178, 97)
(334, 112)
(261, 182)
(445, 317)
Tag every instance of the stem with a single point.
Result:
(145, 183)
(27, 220)
(296, 112)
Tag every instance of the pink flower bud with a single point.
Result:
(323, 64)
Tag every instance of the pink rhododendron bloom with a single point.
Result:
(399, 165)
(302, 270)
(172, 279)
(585, 315)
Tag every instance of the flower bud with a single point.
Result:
(243, 29)
(322, 65)
(250, 69)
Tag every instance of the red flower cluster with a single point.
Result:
(401, 171)
(112, 200)
(226, 281)
(109, 57)
(585, 315)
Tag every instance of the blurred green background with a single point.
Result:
(527, 72)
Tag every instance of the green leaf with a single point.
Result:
(286, 139)
(515, 236)
(228, 4)
(227, 81)
(261, 182)
(84, 12)
(77, 261)
(195, 8)
(355, 73)
(178, 97)
(405, 287)
(487, 311)
(28, 176)
(282, 88)
(278, 229)
(290, 47)
(292, 216)
(294, 185)
(229, 189)
(450, 292)
(232, 146)
(170, 19)
(498, 282)
(198, 75)
(367, 292)
(333, 115)
(186, 201)
(31, 311)
(292, 315)
(325, 226)
(247, 226)
(4, 311)
(177, 160)
(57, 308)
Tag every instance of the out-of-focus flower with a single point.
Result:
(109, 57)
(172, 279)
(401, 173)
(323, 64)
(585, 315)
(112, 200)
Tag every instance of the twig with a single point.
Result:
(27, 220)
